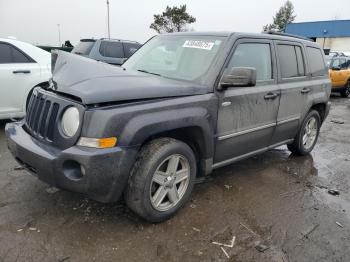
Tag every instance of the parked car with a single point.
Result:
(110, 51)
(339, 73)
(336, 54)
(183, 105)
(22, 67)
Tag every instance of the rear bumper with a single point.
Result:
(100, 174)
(338, 88)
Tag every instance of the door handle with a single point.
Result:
(21, 72)
(270, 96)
(305, 90)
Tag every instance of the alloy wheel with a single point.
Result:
(310, 133)
(169, 182)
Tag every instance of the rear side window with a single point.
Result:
(19, 57)
(83, 48)
(316, 62)
(130, 48)
(5, 54)
(256, 55)
(291, 61)
(112, 49)
(344, 64)
(10, 55)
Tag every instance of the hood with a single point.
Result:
(96, 82)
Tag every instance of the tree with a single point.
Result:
(284, 16)
(174, 19)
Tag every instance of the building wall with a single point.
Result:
(341, 44)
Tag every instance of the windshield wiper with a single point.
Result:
(145, 71)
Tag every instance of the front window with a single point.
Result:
(179, 57)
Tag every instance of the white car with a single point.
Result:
(22, 67)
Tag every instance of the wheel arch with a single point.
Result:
(321, 109)
(194, 137)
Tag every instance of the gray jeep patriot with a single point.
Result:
(182, 105)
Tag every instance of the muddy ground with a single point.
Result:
(275, 199)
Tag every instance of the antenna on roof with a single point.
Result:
(109, 31)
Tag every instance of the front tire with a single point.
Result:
(305, 140)
(346, 93)
(161, 180)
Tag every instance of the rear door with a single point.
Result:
(295, 86)
(247, 115)
(18, 73)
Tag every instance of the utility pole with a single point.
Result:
(109, 31)
(59, 34)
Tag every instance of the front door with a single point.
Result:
(247, 115)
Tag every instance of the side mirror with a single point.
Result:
(239, 76)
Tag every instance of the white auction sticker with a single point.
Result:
(198, 44)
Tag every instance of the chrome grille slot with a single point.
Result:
(52, 121)
(41, 116)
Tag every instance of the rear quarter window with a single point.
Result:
(83, 48)
(130, 49)
(112, 49)
(316, 62)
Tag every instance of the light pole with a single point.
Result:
(109, 31)
(59, 34)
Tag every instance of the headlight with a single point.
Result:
(70, 121)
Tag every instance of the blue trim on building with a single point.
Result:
(335, 28)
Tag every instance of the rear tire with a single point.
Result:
(346, 93)
(161, 180)
(305, 140)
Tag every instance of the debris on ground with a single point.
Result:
(33, 229)
(193, 206)
(337, 121)
(226, 245)
(227, 187)
(261, 247)
(339, 225)
(62, 259)
(18, 168)
(223, 250)
(52, 190)
(247, 228)
(20, 230)
(334, 192)
(196, 229)
(309, 231)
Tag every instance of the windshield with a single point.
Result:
(179, 57)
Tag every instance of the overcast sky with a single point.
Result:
(36, 21)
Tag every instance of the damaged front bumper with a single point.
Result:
(100, 174)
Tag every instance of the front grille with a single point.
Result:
(41, 116)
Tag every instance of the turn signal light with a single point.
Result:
(98, 142)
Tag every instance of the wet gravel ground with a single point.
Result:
(274, 201)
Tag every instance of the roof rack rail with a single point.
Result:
(120, 40)
(271, 32)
